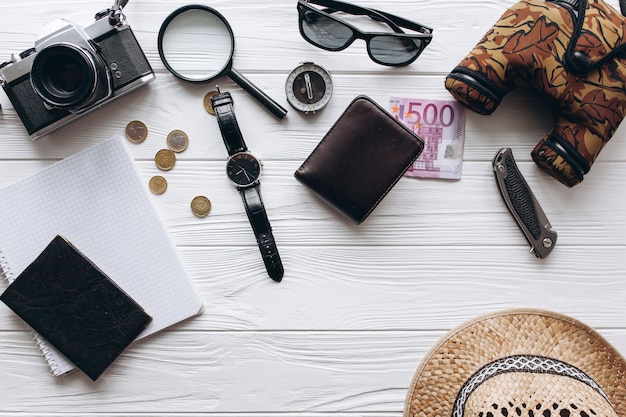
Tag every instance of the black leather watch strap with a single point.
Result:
(223, 106)
(233, 139)
(263, 231)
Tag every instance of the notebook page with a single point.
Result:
(97, 201)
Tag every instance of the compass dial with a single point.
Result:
(309, 88)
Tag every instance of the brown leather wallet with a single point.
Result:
(360, 159)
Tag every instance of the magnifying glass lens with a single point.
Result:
(197, 45)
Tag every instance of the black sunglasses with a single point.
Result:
(320, 28)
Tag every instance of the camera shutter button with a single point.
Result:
(27, 52)
(101, 14)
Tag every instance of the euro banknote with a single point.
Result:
(441, 123)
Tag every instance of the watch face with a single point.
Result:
(243, 169)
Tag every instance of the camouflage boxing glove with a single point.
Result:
(571, 52)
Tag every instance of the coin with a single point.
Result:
(136, 131)
(177, 140)
(200, 206)
(207, 101)
(165, 159)
(158, 184)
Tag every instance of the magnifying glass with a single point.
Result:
(196, 44)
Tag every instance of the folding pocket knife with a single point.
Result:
(522, 204)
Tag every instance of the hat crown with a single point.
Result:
(531, 386)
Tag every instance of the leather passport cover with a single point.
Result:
(360, 159)
(76, 307)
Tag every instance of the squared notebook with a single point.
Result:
(360, 159)
(78, 309)
(97, 200)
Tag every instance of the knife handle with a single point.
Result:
(522, 204)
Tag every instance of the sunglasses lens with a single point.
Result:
(325, 32)
(392, 50)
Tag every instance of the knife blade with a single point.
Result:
(522, 204)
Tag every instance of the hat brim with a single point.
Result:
(471, 346)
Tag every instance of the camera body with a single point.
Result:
(570, 52)
(72, 71)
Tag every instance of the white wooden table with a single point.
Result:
(359, 305)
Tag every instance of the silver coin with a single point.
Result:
(177, 140)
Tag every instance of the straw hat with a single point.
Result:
(520, 363)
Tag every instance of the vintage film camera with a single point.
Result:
(72, 71)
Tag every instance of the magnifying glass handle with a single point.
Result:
(275, 108)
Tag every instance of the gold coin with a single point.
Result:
(158, 184)
(177, 140)
(165, 159)
(207, 101)
(200, 206)
(136, 131)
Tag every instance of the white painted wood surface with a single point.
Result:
(359, 305)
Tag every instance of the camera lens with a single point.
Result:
(68, 76)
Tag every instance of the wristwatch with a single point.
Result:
(243, 170)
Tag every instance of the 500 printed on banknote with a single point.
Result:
(441, 123)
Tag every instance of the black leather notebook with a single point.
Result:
(360, 159)
(76, 307)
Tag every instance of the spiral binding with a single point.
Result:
(47, 354)
(4, 267)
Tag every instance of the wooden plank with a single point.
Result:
(520, 121)
(395, 287)
(241, 372)
(469, 212)
(275, 37)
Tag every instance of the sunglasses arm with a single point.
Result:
(339, 6)
(394, 22)
(403, 22)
